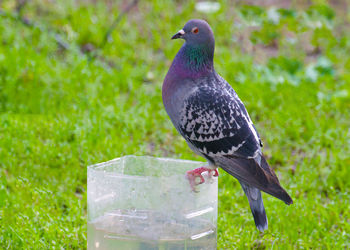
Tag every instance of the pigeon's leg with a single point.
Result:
(193, 174)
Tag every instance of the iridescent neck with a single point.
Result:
(194, 60)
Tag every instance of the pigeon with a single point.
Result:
(208, 113)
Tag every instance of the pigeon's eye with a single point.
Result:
(195, 30)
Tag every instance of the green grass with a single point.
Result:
(61, 110)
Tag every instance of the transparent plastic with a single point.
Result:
(138, 202)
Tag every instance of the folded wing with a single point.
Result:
(216, 125)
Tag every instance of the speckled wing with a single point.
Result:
(215, 122)
(217, 126)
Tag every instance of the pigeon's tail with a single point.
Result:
(256, 206)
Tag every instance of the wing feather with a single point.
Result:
(260, 176)
(215, 123)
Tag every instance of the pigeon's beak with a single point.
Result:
(178, 34)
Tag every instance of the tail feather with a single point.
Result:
(259, 175)
(256, 205)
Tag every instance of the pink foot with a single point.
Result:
(193, 174)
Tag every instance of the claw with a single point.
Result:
(216, 174)
(193, 174)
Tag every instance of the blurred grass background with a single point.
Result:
(67, 100)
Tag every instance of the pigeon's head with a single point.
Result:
(196, 32)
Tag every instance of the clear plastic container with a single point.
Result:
(138, 202)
